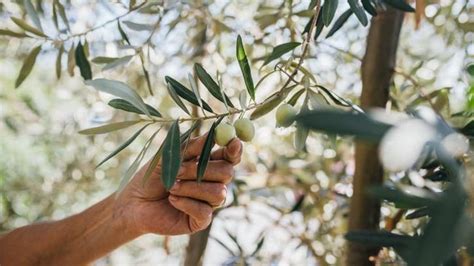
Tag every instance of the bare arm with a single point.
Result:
(138, 210)
(75, 240)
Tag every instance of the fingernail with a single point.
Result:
(173, 198)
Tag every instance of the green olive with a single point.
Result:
(224, 133)
(285, 115)
(245, 129)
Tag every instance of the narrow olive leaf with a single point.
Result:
(210, 84)
(123, 145)
(280, 50)
(358, 11)
(108, 127)
(138, 26)
(339, 22)
(258, 247)
(245, 67)
(186, 94)
(302, 132)
(330, 8)
(195, 89)
(319, 24)
(117, 62)
(121, 90)
(271, 103)
(379, 238)
(344, 123)
(10, 33)
(402, 199)
(58, 61)
(136, 163)
(418, 213)
(71, 60)
(267, 107)
(62, 13)
(82, 62)
(296, 96)
(103, 59)
(176, 98)
(243, 99)
(127, 106)
(122, 33)
(367, 4)
(171, 158)
(30, 10)
(27, 27)
(85, 47)
(206, 150)
(27, 66)
(55, 17)
(400, 4)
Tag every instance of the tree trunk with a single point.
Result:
(196, 247)
(377, 70)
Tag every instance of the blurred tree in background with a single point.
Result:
(290, 201)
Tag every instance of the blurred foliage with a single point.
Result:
(295, 200)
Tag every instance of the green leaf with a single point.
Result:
(117, 62)
(469, 69)
(329, 9)
(109, 127)
(30, 10)
(280, 50)
(245, 67)
(186, 94)
(271, 103)
(71, 61)
(379, 238)
(418, 213)
(82, 63)
(206, 150)
(55, 17)
(27, 27)
(27, 66)
(121, 90)
(171, 158)
(210, 84)
(128, 107)
(358, 11)
(62, 13)
(243, 99)
(402, 199)
(10, 33)
(400, 4)
(339, 22)
(367, 4)
(295, 97)
(136, 163)
(122, 33)
(176, 99)
(103, 59)
(138, 26)
(58, 61)
(195, 89)
(123, 145)
(344, 123)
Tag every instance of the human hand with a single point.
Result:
(188, 206)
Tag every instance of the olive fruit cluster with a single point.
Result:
(242, 128)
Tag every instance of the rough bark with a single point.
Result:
(377, 70)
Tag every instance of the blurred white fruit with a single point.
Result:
(403, 144)
(455, 144)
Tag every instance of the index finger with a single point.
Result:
(231, 153)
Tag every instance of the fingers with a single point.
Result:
(216, 171)
(200, 213)
(194, 147)
(212, 193)
(231, 153)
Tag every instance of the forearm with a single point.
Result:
(79, 239)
